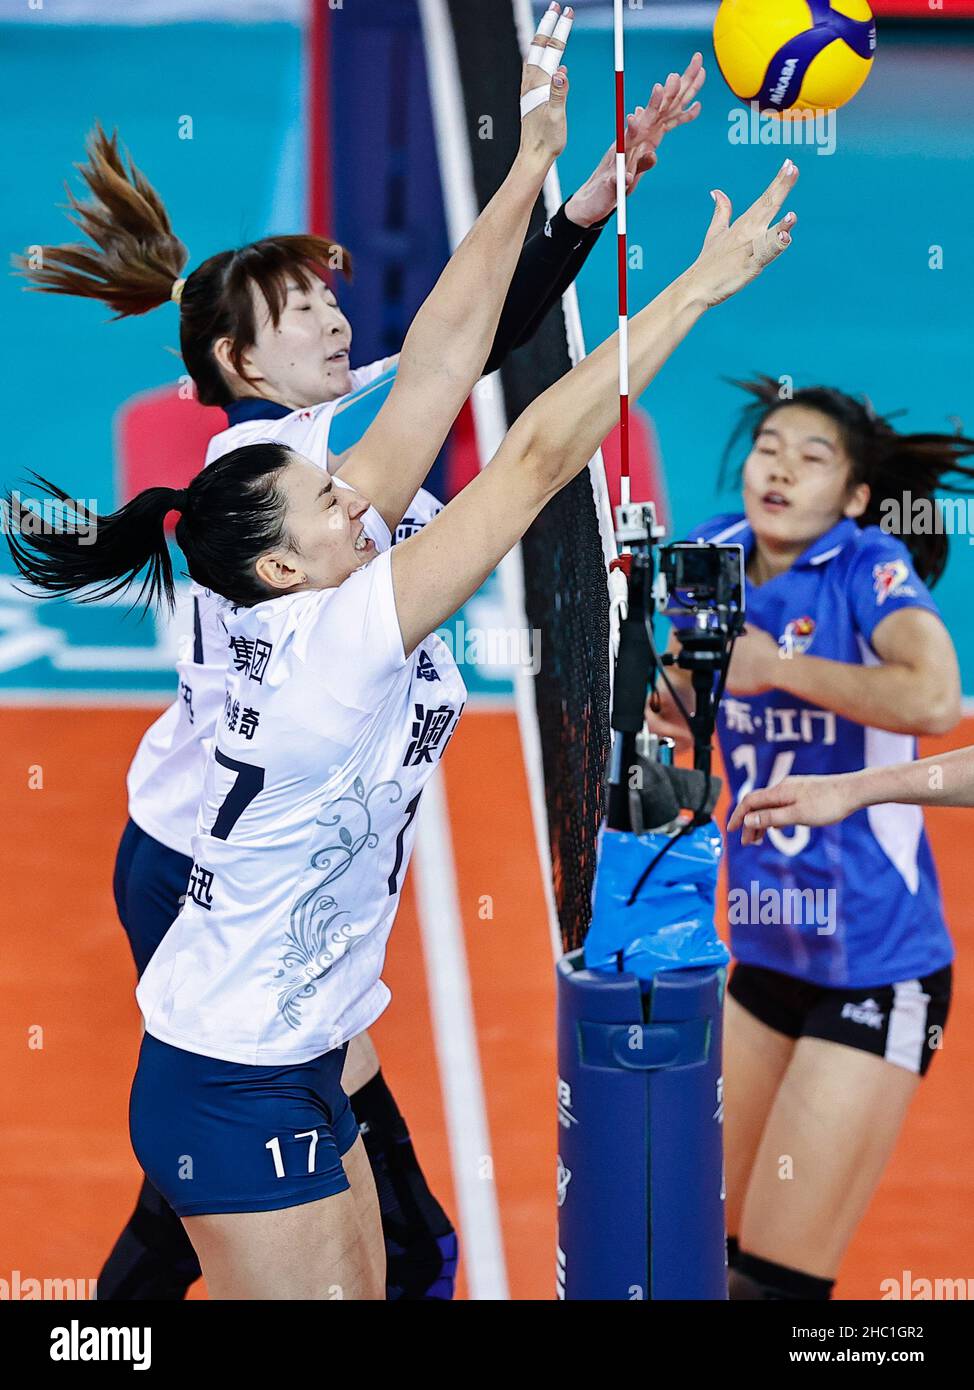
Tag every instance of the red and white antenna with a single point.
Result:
(623, 251)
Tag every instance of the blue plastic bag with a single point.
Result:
(670, 926)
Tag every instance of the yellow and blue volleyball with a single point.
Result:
(795, 55)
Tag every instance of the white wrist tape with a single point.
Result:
(538, 96)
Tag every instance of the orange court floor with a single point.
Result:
(69, 1174)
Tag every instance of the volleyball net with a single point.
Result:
(557, 584)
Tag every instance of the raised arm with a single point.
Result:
(552, 258)
(446, 347)
(437, 570)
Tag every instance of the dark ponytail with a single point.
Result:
(137, 262)
(232, 513)
(894, 465)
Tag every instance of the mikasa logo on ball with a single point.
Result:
(793, 55)
(779, 92)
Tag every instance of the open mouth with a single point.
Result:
(362, 542)
(340, 356)
(775, 501)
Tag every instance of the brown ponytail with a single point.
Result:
(139, 258)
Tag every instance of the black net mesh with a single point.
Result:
(566, 600)
(564, 567)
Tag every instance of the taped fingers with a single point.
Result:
(546, 53)
(550, 40)
(775, 240)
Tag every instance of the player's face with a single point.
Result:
(304, 359)
(325, 525)
(796, 479)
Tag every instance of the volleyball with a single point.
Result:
(795, 55)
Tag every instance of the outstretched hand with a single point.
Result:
(544, 129)
(795, 801)
(672, 103)
(735, 253)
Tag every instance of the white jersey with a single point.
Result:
(327, 736)
(165, 779)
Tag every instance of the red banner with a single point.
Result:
(925, 9)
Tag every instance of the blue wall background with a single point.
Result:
(854, 303)
(67, 366)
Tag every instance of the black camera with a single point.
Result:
(705, 581)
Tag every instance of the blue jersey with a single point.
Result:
(855, 904)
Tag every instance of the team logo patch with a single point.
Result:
(426, 667)
(797, 636)
(890, 578)
(867, 1013)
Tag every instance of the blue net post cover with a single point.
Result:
(640, 1127)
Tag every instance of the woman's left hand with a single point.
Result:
(671, 104)
(754, 664)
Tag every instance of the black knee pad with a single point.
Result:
(754, 1278)
(741, 1288)
(153, 1258)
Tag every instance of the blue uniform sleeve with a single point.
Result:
(882, 580)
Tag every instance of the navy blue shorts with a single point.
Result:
(150, 884)
(218, 1136)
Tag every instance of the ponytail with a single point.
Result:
(903, 469)
(900, 469)
(139, 263)
(139, 258)
(81, 551)
(232, 513)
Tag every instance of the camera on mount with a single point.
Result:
(700, 587)
(704, 580)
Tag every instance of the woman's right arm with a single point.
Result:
(437, 570)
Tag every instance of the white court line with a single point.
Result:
(455, 1039)
(449, 985)
(51, 698)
